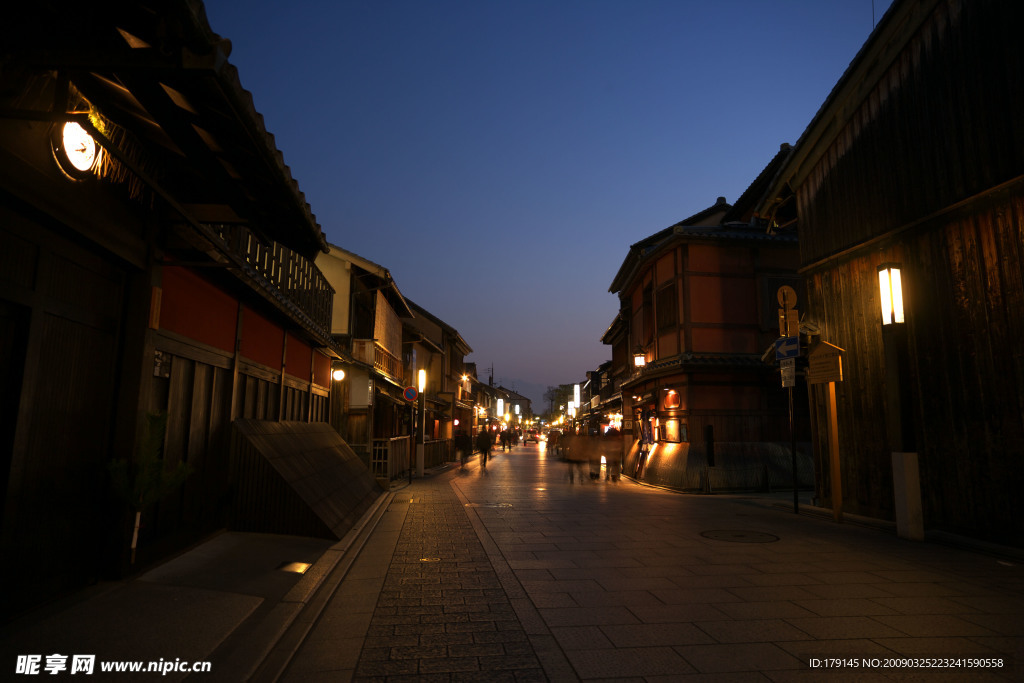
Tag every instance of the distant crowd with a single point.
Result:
(584, 454)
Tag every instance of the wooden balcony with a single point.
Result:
(291, 277)
(370, 352)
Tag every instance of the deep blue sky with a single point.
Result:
(499, 157)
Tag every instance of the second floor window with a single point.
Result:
(667, 308)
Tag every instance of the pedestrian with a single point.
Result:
(575, 453)
(594, 454)
(463, 446)
(613, 454)
(553, 446)
(483, 444)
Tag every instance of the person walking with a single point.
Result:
(464, 447)
(575, 453)
(613, 453)
(483, 444)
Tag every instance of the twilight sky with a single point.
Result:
(500, 156)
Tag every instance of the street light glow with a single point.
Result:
(890, 287)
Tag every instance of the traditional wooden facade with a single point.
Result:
(448, 396)
(916, 158)
(698, 307)
(169, 272)
(367, 407)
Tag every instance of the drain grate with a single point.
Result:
(488, 505)
(736, 536)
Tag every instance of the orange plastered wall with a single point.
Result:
(723, 340)
(194, 308)
(262, 340)
(321, 369)
(725, 397)
(716, 259)
(300, 355)
(716, 299)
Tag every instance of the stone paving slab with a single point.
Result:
(516, 574)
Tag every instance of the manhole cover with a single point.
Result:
(740, 536)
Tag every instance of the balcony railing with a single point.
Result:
(295, 277)
(370, 352)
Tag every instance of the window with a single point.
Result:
(667, 308)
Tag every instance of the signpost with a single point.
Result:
(787, 347)
(788, 368)
(786, 350)
(825, 365)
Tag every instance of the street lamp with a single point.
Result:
(422, 385)
(890, 287)
(899, 401)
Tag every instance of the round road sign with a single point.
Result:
(410, 393)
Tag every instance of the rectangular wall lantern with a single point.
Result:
(890, 287)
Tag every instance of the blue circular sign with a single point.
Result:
(410, 393)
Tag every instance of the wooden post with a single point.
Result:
(236, 375)
(792, 445)
(833, 447)
(284, 365)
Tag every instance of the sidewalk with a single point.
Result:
(514, 574)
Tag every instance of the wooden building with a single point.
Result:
(698, 309)
(448, 399)
(155, 256)
(368, 408)
(916, 159)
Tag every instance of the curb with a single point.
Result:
(261, 649)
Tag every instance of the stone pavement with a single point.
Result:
(515, 574)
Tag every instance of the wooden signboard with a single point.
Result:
(825, 364)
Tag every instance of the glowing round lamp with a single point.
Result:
(338, 375)
(75, 150)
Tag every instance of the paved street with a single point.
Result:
(515, 574)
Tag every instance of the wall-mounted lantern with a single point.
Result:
(890, 287)
(75, 151)
(338, 374)
(639, 357)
